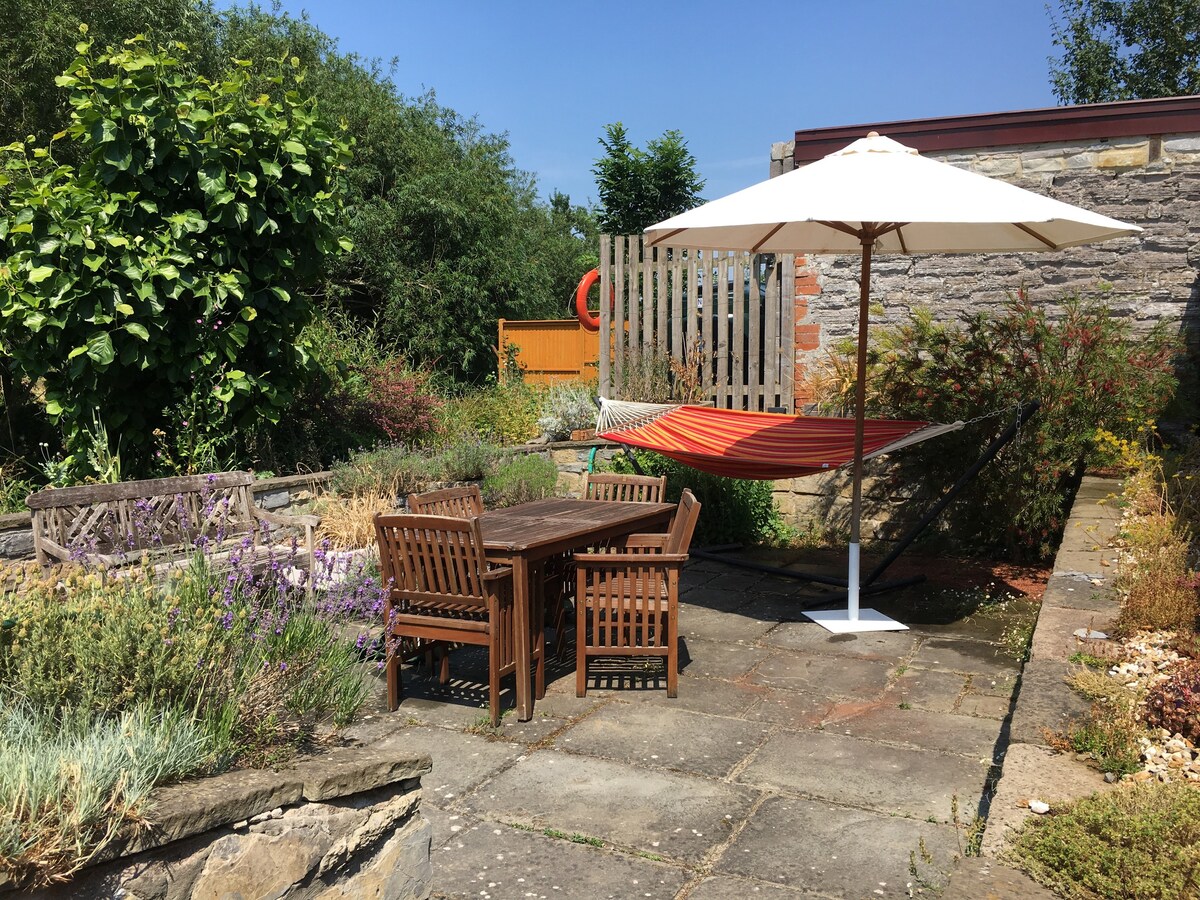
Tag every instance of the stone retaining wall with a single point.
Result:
(346, 824)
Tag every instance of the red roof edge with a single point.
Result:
(1127, 118)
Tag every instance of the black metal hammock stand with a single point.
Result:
(870, 584)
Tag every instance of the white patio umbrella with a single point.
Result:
(878, 196)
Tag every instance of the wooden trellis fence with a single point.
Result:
(725, 317)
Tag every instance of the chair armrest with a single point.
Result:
(497, 574)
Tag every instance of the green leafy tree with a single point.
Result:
(161, 282)
(1126, 50)
(640, 187)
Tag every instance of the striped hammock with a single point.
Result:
(764, 446)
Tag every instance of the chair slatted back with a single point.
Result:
(432, 559)
(624, 488)
(684, 524)
(459, 502)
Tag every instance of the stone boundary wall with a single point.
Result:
(344, 824)
(1149, 180)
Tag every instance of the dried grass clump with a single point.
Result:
(347, 522)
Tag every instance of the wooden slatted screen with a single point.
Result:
(728, 316)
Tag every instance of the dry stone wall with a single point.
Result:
(1151, 181)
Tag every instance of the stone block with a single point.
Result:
(1124, 157)
(273, 499)
(997, 166)
(1046, 705)
(17, 544)
(359, 769)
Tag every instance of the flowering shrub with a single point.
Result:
(520, 480)
(236, 653)
(1088, 370)
(1174, 703)
(566, 408)
(402, 404)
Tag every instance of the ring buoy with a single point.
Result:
(590, 321)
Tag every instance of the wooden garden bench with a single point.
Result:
(167, 518)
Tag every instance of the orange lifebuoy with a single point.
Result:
(590, 321)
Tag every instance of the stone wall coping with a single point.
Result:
(192, 807)
(278, 483)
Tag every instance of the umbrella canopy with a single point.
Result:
(935, 208)
(879, 196)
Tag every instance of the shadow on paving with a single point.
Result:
(793, 763)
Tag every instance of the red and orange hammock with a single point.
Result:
(764, 446)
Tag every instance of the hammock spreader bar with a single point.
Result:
(763, 446)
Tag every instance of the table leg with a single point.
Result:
(521, 613)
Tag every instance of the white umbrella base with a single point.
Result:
(838, 621)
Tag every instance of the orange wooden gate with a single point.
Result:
(550, 350)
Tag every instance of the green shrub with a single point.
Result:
(1140, 842)
(383, 472)
(504, 412)
(521, 479)
(566, 408)
(1088, 369)
(70, 782)
(733, 510)
(468, 460)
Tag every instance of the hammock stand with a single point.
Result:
(868, 585)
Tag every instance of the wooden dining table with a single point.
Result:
(526, 535)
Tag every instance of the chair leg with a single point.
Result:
(580, 648)
(444, 674)
(560, 629)
(494, 682)
(672, 652)
(393, 679)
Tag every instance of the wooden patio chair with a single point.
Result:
(596, 486)
(627, 599)
(442, 590)
(459, 502)
(624, 488)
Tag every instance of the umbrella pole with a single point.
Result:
(852, 618)
(860, 404)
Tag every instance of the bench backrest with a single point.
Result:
(100, 519)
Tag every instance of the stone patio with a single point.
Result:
(793, 763)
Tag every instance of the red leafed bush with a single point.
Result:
(1174, 703)
(402, 402)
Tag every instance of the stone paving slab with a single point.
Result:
(923, 730)
(967, 657)
(661, 737)
(891, 646)
(706, 695)
(858, 772)
(488, 861)
(717, 625)
(1063, 593)
(726, 887)
(1034, 773)
(717, 659)
(666, 813)
(461, 762)
(1045, 702)
(791, 709)
(930, 689)
(1054, 638)
(980, 878)
(824, 676)
(837, 851)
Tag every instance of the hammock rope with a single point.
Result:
(763, 446)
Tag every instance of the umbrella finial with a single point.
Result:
(872, 134)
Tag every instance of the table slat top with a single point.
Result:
(556, 519)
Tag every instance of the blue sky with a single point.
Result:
(733, 78)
